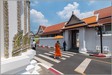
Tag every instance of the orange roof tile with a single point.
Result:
(89, 20)
(104, 12)
(54, 27)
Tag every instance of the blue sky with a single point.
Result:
(49, 12)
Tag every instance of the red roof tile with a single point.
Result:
(54, 27)
(104, 12)
(106, 20)
(52, 32)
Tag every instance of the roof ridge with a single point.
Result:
(88, 17)
(103, 8)
(56, 24)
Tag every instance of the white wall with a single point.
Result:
(93, 40)
(49, 42)
(12, 6)
(1, 30)
(107, 41)
(82, 40)
(90, 36)
(67, 38)
(17, 64)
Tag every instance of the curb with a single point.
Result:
(98, 55)
(51, 69)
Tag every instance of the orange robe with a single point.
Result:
(57, 50)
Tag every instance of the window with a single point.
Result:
(107, 29)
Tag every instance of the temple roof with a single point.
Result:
(54, 27)
(73, 20)
(105, 12)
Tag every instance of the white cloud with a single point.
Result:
(34, 2)
(38, 17)
(67, 11)
(86, 14)
(91, 1)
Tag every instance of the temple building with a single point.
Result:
(52, 30)
(83, 35)
(15, 21)
(14, 35)
(93, 33)
(47, 33)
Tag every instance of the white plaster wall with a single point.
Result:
(12, 6)
(1, 30)
(17, 64)
(90, 37)
(67, 38)
(80, 38)
(93, 40)
(107, 41)
(50, 42)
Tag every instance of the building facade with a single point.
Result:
(14, 25)
(47, 34)
(15, 49)
(93, 33)
(82, 35)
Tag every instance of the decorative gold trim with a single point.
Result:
(25, 16)
(17, 43)
(6, 29)
(18, 16)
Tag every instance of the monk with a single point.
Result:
(57, 50)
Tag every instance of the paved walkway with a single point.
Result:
(73, 63)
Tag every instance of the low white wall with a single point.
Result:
(13, 65)
(106, 40)
(93, 40)
(50, 41)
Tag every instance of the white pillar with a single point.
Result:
(12, 6)
(1, 30)
(67, 39)
(83, 49)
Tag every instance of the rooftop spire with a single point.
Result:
(72, 12)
